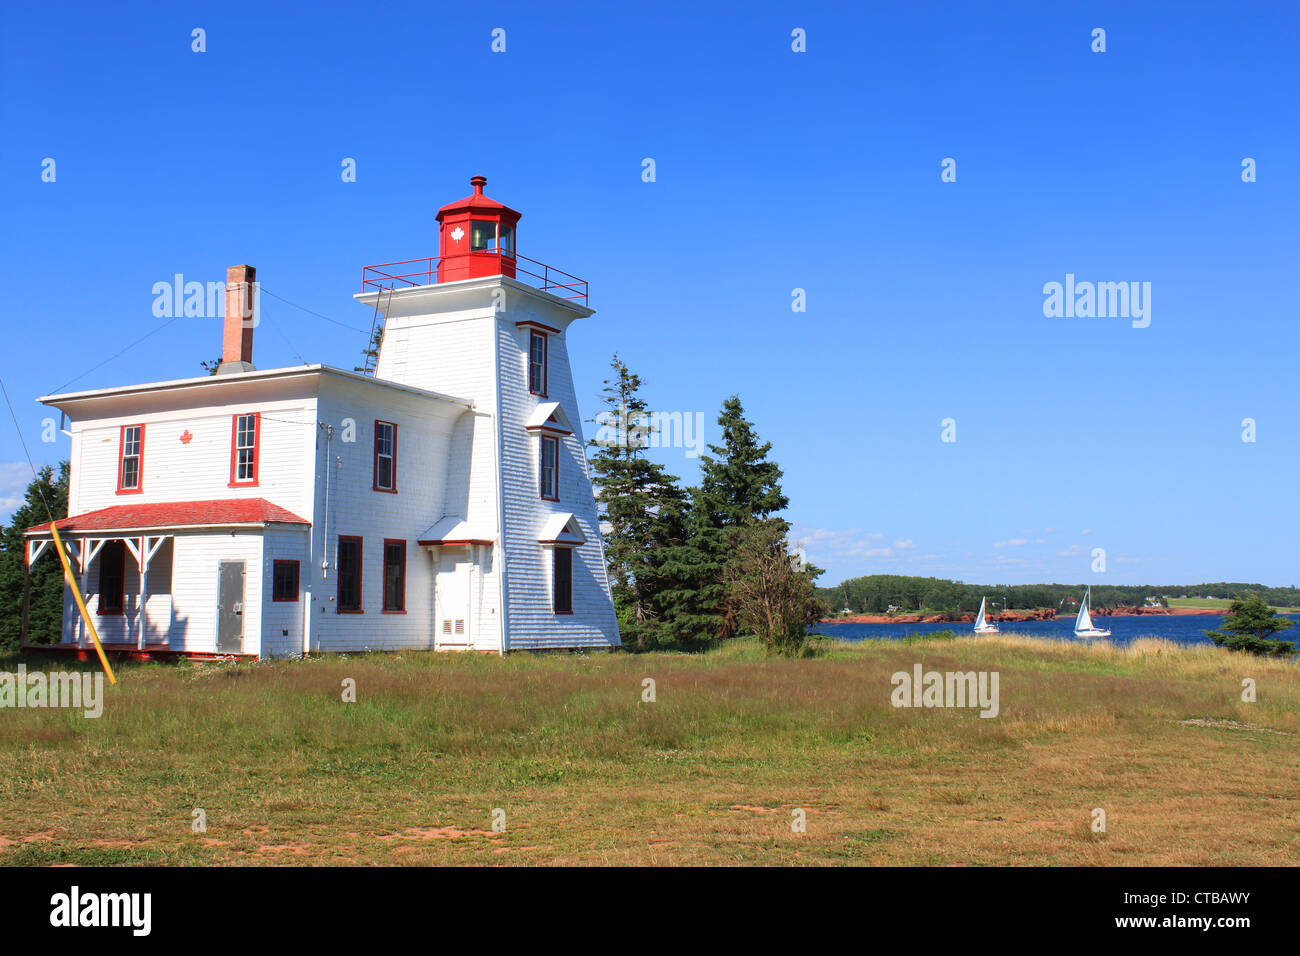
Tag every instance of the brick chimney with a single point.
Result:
(237, 340)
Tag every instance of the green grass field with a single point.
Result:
(1220, 604)
(712, 772)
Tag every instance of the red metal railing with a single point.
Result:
(404, 274)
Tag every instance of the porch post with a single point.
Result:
(142, 562)
(82, 547)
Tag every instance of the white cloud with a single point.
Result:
(1012, 543)
(14, 479)
(830, 544)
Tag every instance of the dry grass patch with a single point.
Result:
(712, 772)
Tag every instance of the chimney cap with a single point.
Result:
(478, 182)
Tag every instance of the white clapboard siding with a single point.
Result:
(194, 588)
(532, 623)
(282, 621)
(425, 445)
(197, 469)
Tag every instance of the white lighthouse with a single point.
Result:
(442, 502)
(488, 324)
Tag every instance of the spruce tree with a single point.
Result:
(45, 610)
(738, 485)
(642, 508)
(1249, 626)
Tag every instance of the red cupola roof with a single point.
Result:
(479, 203)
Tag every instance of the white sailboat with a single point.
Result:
(1083, 626)
(983, 626)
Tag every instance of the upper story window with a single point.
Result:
(550, 473)
(385, 456)
(244, 448)
(537, 349)
(130, 459)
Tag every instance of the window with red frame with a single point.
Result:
(284, 581)
(112, 577)
(394, 576)
(245, 433)
(385, 456)
(130, 459)
(349, 575)
(537, 348)
(562, 580)
(550, 475)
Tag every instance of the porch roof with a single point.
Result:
(174, 514)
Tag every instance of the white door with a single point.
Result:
(451, 621)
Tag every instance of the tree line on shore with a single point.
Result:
(877, 593)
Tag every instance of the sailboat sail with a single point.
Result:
(1083, 626)
(979, 618)
(1084, 621)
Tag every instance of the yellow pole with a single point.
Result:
(81, 605)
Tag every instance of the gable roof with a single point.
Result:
(549, 417)
(176, 514)
(561, 529)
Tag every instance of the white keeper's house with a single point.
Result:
(440, 501)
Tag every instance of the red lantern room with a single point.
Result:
(477, 237)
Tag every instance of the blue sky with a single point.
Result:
(775, 170)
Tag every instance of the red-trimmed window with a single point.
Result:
(349, 574)
(245, 436)
(284, 581)
(562, 580)
(385, 456)
(537, 349)
(394, 576)
(112, 577)
(550, 471)
(130, 460)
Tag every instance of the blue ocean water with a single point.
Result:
(1184, 629)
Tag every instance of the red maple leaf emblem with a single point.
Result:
(185, 437)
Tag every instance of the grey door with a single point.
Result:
(230, 607)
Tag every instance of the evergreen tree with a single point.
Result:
(1249, 627)
(370, 353)
(641, 506)
(45, 610)
(738, 485)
